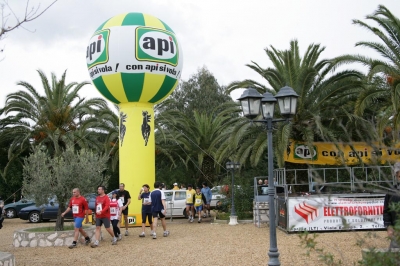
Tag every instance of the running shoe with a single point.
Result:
(87, 242)
(119, 237)
(152, 233)
(142, 235)
(166, 233)
(154, 236)
(199, 221)
(191, 220)
(72, 246)
(94, 245)
(126, 233)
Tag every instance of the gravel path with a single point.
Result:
(190, 244)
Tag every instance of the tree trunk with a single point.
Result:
(60, 220)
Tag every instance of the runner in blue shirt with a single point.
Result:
(206, 191)
(158, 208)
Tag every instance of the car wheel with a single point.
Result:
(34, 217)
(185, 214)
(11, 213)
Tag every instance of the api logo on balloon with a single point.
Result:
(155, 45)
(97, 51)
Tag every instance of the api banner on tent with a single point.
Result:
(329, 153)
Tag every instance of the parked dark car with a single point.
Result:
(45, 212)
(49, 211)
(12, 209)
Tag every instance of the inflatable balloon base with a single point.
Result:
(134, 220)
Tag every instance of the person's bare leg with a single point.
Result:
(155, 220)
(110, 231)
(143, 227)
(188, 211)
(83, 233)
(164, 224)
(97, 234)
(126, 222)
(76, 233)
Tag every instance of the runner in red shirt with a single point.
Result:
(103, 216)
(80, 208)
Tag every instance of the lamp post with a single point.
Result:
(252, 104)
(231, 166)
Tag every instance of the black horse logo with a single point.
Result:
(122, 127)
(288, 150)
(146, 127)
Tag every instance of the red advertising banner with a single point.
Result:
(335, 212)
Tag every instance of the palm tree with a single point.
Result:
(382, 95)
(50, 118)
(196, 140)
(321, 92)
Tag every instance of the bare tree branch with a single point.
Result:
(31, 13)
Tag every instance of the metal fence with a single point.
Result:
(343, 179)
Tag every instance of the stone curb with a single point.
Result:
(24, 238)
(7, 259)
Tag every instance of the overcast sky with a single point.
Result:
(219, 34)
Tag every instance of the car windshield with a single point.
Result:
(216, 189)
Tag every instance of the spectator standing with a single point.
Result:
(144, 196)
(390, 217)
(102, 216)
(79, 207)
(115, 212)
(126, 200)
(206, 191)
(175, 186)
(158, 208)
(189, 203)
(183, 187)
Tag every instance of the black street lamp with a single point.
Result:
(231, 166)
(252, 104)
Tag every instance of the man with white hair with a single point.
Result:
(390, 216)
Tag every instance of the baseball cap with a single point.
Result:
(175, 184)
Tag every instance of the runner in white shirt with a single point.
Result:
(115, 211)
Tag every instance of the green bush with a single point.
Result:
(243, 197)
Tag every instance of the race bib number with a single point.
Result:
(198, 201)
(99, 208)
(75, 209)
(113, 211)
(146, 200)
(188, 196)
(122, 200)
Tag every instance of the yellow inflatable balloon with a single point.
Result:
(135, 61)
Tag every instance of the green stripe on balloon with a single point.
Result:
(102, 25)
(166, 87)
(166, 27)
(101, 86)
(133, 19)
(133, 85)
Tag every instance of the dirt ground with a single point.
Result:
(191, 244)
